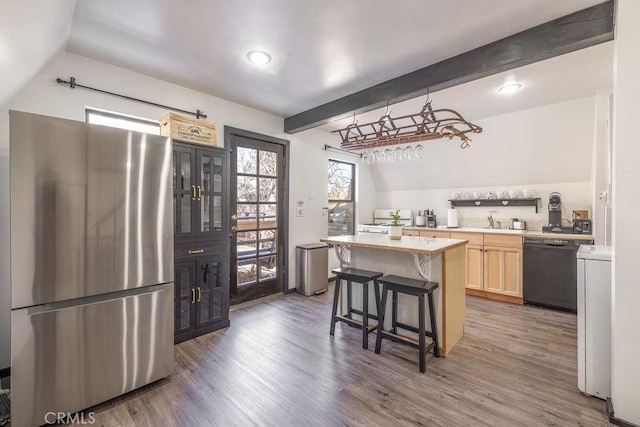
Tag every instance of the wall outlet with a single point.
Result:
(299, 211)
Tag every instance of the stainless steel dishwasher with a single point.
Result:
(550, 272)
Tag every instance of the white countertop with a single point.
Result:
(599, 252)
(411, 244)
(524, 233)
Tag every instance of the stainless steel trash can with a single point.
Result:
(312, 265)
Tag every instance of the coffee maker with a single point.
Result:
(555, 216)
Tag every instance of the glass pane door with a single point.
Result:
(257, 180)
(210, 292)
(185, 296)
(184, 191)
(210, 189)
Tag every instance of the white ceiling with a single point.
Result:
(321, 49)
(574, 75)
(31, 33)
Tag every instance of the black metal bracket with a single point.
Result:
(72, 84)
(329, 147)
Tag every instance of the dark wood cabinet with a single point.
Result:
(202, 245)
(200, 199)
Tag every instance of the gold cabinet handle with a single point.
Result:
(199, 192)
(193, 192)
(234, 217)
(234, 228)
(196, 251)
(199, 294)
(193, 296)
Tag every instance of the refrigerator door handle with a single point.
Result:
(94, 299)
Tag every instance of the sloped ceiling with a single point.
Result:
(31, 33)
(321, 49)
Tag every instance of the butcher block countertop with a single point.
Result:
(523, 233)
(411, 244)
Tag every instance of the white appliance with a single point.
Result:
(382, 220)
(452, 218)
(594, 320)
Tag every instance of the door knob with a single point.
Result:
(234, 229)
(234, 217)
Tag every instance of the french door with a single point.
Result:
(258, 196)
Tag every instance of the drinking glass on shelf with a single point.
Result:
(419, 151)
(365, 157)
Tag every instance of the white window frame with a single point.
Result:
(122, 121)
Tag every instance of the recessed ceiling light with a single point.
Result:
(259, 57)
(510, 88)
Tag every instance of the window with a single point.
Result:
(342, 185)
(122, 121)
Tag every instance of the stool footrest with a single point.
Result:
(354, 323)
(359, 312)
(412, 329)
(404, 340)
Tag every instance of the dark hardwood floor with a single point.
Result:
(277, 366)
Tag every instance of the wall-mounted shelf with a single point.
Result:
(495, 202)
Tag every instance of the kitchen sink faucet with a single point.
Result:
(490, 218)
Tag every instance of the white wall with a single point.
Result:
(309, 184)
(575, 195)
(544, 145)
(308, 162)
(31, 33)
(543, 149)
(601, 215)
(5, 288)
(626, 205)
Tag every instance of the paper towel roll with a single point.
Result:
(452, 218)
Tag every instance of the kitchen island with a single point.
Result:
(437, 260)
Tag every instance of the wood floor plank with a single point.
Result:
(277, 365)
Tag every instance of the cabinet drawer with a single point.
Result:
(410, 232)
(435, 233)
(503, 241)
(473, 238)
(186, 250)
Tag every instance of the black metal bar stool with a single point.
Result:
(418, 288)
(359, 276)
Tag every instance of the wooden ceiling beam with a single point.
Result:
(569, 33)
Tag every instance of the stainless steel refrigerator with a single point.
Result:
(91, 264)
